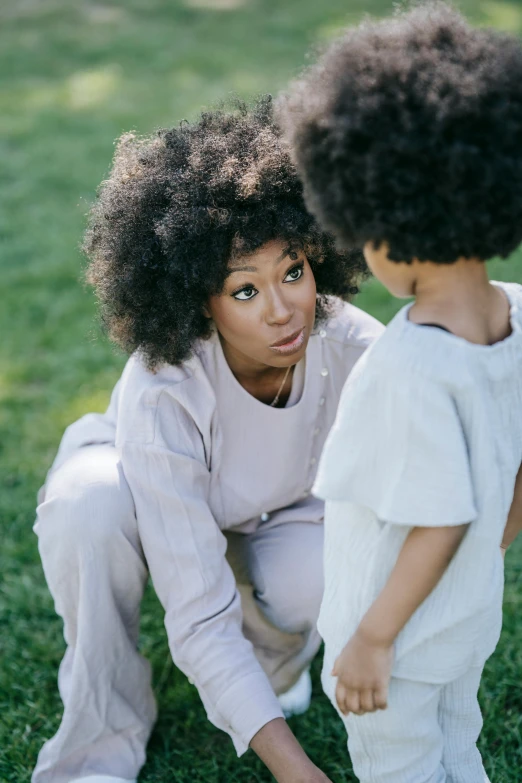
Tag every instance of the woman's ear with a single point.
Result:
(206, 311)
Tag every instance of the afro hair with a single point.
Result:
(409, 130)
(178, 206)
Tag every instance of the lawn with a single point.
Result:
(73, 76)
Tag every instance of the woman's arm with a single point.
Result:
(277, 747)
(514, 520)
(364, 666)
(185, 552)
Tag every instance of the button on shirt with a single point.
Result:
(201, 456)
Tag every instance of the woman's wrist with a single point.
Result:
(277, 747)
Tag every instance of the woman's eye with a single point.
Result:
(245, 294)
(295, 273)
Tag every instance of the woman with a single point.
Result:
(211, 273)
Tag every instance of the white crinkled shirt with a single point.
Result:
(201, 456)
(428, 433)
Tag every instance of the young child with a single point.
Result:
(408, 136)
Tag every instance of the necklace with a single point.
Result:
(276, 398)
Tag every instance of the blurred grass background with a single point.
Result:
(73, 76)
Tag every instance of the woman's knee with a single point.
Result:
(87, 500)
(292, 603)
(288, 577)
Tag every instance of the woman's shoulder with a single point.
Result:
(349, 325)
(141, 382)
(148, 396)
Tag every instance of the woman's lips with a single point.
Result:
(293, 344)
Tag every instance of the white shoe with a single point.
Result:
(297, 699)
(102, 779)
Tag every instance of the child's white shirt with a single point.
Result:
(428, 433)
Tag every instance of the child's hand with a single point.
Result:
(363, 670)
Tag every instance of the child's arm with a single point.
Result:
(364, 666)
(514, 520)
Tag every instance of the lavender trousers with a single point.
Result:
(104, 682)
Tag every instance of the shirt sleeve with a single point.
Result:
(398, 448)
(185, 552)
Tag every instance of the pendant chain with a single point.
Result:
(276, 398)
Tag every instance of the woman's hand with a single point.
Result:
(363, 670)
(317, 776)
(278, 748)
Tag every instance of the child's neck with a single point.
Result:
(460, 298)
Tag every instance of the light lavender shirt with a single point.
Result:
(201, 456)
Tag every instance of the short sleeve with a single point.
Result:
(398, 448)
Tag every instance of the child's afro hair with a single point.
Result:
(177, 206)
(409, 131)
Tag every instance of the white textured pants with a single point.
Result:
(96, 572)
(428, 733)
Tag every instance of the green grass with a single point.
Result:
(73, 76)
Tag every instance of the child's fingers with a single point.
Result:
(352, 701)
(380, 698)
(366, 701)
(340, 697)
(347, 699)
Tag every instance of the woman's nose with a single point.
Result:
(279, 310)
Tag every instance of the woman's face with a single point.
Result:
(266, 311)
